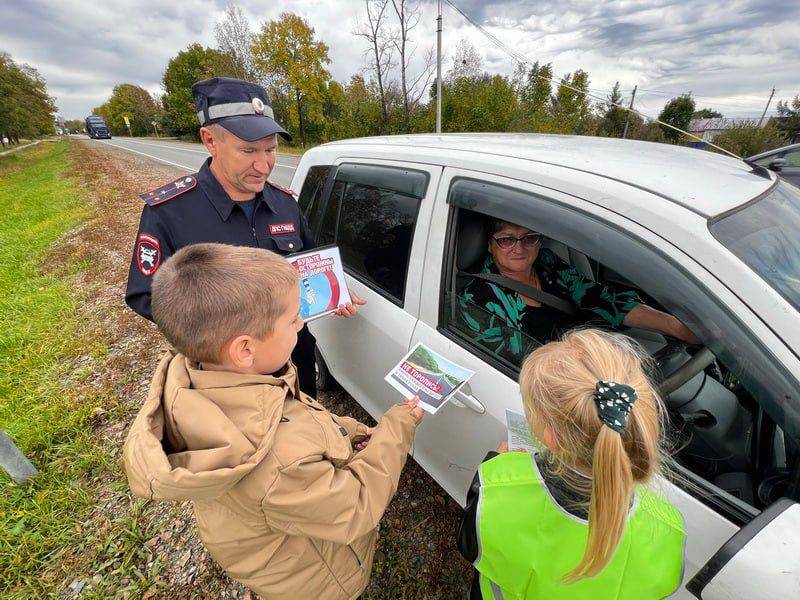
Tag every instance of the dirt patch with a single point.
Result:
(131, 548)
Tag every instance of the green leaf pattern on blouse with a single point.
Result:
(504, 313)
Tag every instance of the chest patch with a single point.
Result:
(282, 228)
(148, 254)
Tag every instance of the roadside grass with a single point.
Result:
(39, 344)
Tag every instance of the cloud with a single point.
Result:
(729, 53)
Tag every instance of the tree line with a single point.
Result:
(395, 93)
(26, 109)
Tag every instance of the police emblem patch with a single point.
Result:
(148, 253)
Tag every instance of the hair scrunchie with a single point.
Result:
(614, 401)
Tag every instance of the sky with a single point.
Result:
(728, 53)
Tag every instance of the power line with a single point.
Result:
(521, 59)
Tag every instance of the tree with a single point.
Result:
(234, 39)
(26, 109)
(74, 125)
(467, 62)
(481, 102)
(134, 102)
(788, 120)
(613, 117)
(533, 88)
(678, 113)
(186, 68)
(411, 88)
(746, 139)
(358, 113)
(707, 113)
(570, 105)
(294, 62)
(374, 30)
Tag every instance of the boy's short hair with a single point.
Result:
(206, 294)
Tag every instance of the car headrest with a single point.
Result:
(472, 242)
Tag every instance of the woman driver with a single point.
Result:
(515, 253)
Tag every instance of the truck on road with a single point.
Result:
(96, 127)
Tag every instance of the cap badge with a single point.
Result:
(258, 106)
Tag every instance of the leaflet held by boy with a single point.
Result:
(428, 375)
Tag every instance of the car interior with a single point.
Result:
(718, 431)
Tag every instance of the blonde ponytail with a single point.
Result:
(559, 383)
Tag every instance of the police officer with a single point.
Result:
(230, 200)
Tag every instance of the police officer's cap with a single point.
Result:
(241, 107)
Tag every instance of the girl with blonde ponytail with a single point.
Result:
(577, 520)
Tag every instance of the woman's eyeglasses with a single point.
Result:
(529, 240)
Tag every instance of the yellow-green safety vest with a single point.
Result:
(527, 542)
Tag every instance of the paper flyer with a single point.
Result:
(519, 434)
(424, 373)
(322, 284)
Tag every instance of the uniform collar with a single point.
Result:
(219, 198)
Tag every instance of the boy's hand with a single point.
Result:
(349, 309)
(503, 447)
(362, 444)
(416, 411)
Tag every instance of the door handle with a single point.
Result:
(465, 400)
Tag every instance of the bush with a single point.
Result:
(748, 139)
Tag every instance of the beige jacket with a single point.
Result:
(283, 502)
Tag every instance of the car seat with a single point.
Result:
(472, 246)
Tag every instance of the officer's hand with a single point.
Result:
(349, 309)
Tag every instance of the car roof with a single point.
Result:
(705, 182)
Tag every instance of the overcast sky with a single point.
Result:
(729, 53)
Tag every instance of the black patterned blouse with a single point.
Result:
(498, 318)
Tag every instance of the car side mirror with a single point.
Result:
(762, 560)
(777, 164)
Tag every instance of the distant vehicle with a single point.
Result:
(785, 161)
(96, 127)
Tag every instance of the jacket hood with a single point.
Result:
(200, 432)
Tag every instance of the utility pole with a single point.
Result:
(766, 108)
(439, 70)
(156, 128)
(628, 113)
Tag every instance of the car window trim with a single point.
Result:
(716, 498)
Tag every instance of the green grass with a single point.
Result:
(51, 424)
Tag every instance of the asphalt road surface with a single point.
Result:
(189, 156)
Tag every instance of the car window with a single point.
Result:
(371, 215)
(736, 423)
(312, 190)
(764, 235)
(792, 158)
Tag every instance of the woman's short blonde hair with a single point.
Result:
(207, 294)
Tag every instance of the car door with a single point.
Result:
(377, 212)
(451, 444)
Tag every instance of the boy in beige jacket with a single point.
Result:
(287, 496)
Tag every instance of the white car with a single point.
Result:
(707, 238)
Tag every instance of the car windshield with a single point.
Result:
(766, 236)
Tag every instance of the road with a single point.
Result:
(189, 156)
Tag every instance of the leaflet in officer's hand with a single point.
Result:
(322, 284)
(519, 434)
(428, 375)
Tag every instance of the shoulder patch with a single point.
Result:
(280, 188)
(170, 190)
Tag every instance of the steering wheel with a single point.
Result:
(684, 373)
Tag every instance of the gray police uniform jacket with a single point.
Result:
(194, 209)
